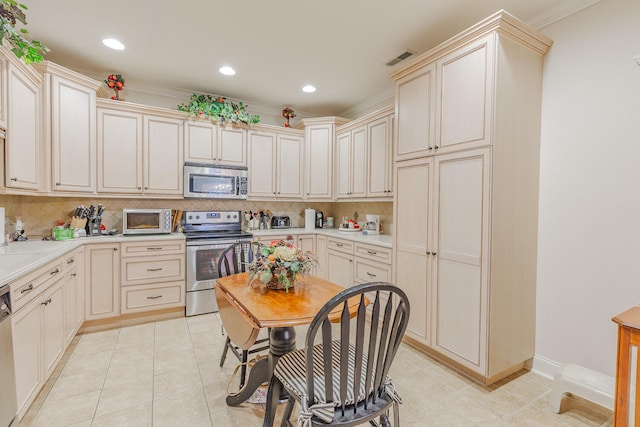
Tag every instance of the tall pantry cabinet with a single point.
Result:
(466, 195)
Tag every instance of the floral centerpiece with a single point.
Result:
(280, 263)
(115, 82)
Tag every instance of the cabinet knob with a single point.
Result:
(57, 183)
(14, 179)
(434, 253)
(428, 252)
(430, 148)
(139, 188)
(115, 249)
(146, 188)
(436, 147)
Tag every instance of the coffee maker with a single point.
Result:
(319, 219)
(372, 226)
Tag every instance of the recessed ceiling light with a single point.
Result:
(309, 89)
(113, 44)
(227, 71)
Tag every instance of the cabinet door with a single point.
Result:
(23, 131)
(73, 136)
(200, 142)
(162, 155)
(461, 275)
(359, 162)
(119, 151)
(379, 149)
(412, 251)
(339, 268)
(318, 162)
(52, 326)
(102, 273)
(289, 166)
(232, 147)
(307, 243)
(262, 172)
(465, 84)
(27, 352)
(71, 306)
(415, 114)
(3, 92)
(343, 165)
(322, 269)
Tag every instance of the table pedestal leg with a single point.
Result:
(281, 342)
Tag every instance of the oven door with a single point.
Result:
(202, 264)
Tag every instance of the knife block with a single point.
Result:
(78, 223)
(93, 227)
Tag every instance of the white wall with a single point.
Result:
(589, 224)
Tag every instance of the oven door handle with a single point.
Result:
(193, 248)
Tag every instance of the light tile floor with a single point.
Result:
(166, 374)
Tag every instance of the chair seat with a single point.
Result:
(291, 371)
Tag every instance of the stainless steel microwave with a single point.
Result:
(215, 181)
(146, 221)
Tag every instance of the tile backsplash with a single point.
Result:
(40, 213)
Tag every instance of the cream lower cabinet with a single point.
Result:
(152, 275)
(350, 262)
(38, 324)
(102, 275)
(442, 252)
(322, 270)
(73, 294)
(307, 243)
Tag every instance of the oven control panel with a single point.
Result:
(211, 217)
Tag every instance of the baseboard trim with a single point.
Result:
(131, 319)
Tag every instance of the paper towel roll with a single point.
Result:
(309, 219)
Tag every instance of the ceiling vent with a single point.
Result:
(404, 55)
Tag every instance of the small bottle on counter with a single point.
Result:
(76, 233)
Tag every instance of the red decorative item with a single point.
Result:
(288, 114)
(115, 82)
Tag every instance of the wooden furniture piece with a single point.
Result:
(247, 309)
(466, 151)
(349, 383)
(233, 260)
(628, 337)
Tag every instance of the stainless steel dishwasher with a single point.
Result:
(8, 401)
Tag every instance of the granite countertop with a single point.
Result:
(20, 258)
(383, 240)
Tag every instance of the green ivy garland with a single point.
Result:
(23, 46)
(218, 109)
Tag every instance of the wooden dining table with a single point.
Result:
(246, 309)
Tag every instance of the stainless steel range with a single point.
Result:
(208, 234)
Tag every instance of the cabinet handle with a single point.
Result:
(370, 274)
(433, 253)
(372, 252)
(27, 289)
(139, 188)
(70, 261)
(339, 245)
(155, 249)
(46, 302)
(115, 249)
(154, 269)
(430, 148)
(14, 179)
(156, 297)
(56, 271)
(428, 252)
(146, 188)
(436, 147)
(73, 274)
(57, 183)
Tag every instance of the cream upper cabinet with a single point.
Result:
(119, 151)
(275, 164)
(466, 203)
(139, 153)
(262, 165)
(162, 155)
(379, 149)
(23, 154)
(465, 85)
(69, 130)
(232, 146)
(289, 167)
(415, 114)
(319, 162)
(3, 92)
(351, 163)
(207, 143)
